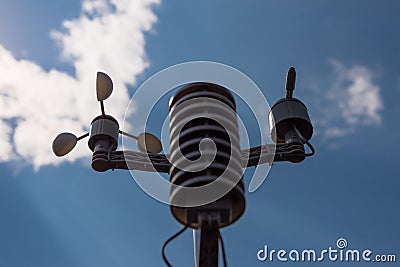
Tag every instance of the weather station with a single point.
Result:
(206, 162)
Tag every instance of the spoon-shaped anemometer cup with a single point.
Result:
(104, 86)
(64, 143)
(146, 142)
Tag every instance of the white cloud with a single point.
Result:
(352, 100)
(356, 94)
(5, 146)
(37, 104)
(337, 132)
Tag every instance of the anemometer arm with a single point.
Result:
(153, 162)
(130, 160)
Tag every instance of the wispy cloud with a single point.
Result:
(36, 104)
(353, 99)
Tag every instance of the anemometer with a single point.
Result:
(206, 161)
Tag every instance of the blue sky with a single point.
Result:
(59, 212)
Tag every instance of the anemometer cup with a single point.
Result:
(104, 131)
(286, 114)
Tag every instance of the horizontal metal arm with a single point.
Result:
(151, 162)
(130, 160)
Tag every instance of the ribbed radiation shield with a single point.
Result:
(205, 148)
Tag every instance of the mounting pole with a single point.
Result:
(209, 232)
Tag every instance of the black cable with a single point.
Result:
(311, 148)
(169, 240)
(304, 141)
(222, 248)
